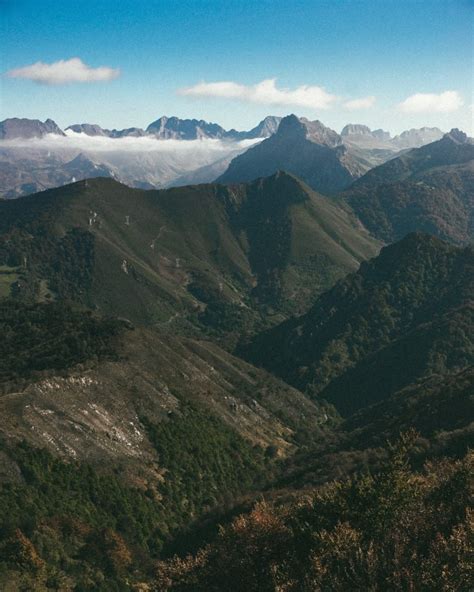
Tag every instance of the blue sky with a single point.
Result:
(378, 53)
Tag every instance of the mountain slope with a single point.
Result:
(429, 189)
(306, 149)
(403, 316)
(453, 148)
(182, 254)
(111, 434)
(82, 387)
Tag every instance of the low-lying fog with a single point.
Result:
(39, 163)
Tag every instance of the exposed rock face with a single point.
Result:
(415, 138)
(361, 136)
(91, 129)
(11, 129)
(364, 137)
(267, 127)
(166, 128)
(135, 132)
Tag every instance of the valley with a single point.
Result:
(251, 370)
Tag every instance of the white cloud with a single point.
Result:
(445, 102)
(265, 92)
(64, 72)
(128, 144)
(363, 103)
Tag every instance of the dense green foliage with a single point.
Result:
(439, 202)
(404, 315)
(98, 531)
(190, 432)
(65, 510)
(40, 338)
(205, 462)
(44, 252)
(395, 530)
(428, 189)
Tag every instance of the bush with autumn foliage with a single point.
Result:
(396, 530)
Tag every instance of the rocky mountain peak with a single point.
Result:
(267, 127)
(357, 129)
(293, 127)
(458, 136)
(15, 128)
(90, 129)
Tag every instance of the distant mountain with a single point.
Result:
(219, 257)
(429, 189)
(192, 129)
(83, 167)
(166, 128)
(95, 130)
(415, 138)
(404, 316)
(306, 149)
(453, 148)
(90, 129)
(266, 128)
(15, 128)
(206, 173)
(26, 172)
(363, 137)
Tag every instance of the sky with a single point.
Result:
(386, 64)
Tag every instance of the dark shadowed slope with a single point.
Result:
(404, 315)
(304, 148)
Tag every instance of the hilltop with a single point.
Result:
(202, 254)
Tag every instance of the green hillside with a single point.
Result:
(404, 315)
(428, 189)
(184, 255)
(116, 440)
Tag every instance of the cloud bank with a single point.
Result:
(445, 102)
(128, 144)
(265, 92)
(363, 103)
(64, 72)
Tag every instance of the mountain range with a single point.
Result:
(172, 357)
(164, 128)
(29, 165)
(363, 137)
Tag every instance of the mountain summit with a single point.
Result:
(307, 149)
(15, 128)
